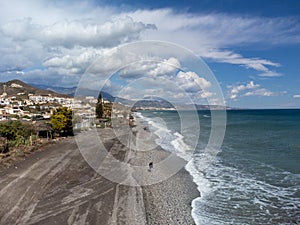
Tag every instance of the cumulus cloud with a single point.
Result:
(161, 78)
(65, 38)
(71, 33)
(192, 82)
(78, 59)
(158, 72)
(63, 47)
(235, 90)
(296, 96)
(159, 87)
(167, 66)
(250, 89)
(151, 67)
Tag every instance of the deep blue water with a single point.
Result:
(254, 178)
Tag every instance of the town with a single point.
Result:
(25, 103)
(29, 114)
(32, 107)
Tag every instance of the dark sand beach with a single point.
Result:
(57, 186)
(169, 201)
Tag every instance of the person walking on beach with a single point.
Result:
(150, 166)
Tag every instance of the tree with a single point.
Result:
(61, 121)
(99, 107)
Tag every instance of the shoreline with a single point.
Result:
(169, 201)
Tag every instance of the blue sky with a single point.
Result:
(252, 47)
(256, 7)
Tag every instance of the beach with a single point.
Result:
(169, 201)
(57, 186)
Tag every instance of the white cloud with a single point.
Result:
(66, 37)
(296, 96)
(46, 12)
(71, 33)
(192, 82)
(161, 79)
(260, 92)
(165, 74)
(151, 67)
(159, 87)
(250, 89)
(237, 59)
(234, 90)
(208, 28)
(209, 34)
(78, 58)
(167, 66)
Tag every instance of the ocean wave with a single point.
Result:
(169, 140)
(233, 197)
(242, 185)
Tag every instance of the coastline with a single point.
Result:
(169, 201)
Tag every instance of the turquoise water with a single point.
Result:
(255, 177)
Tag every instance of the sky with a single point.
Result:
(252, 47)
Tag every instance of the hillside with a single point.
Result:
(14, 87)
(21, 89)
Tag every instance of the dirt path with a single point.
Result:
(128, 204)
(56, 186)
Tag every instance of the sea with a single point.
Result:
(255, 176)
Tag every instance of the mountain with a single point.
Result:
(147, 102)
(72, 90)
(21, 89)
(61, 90)
(94, 93)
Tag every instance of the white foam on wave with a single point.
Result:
(168, 140)
(203, 184)
(159, 128)
(181, 148)
(231, 191)
(174, 142)
(230, 195)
